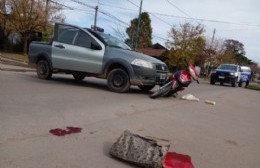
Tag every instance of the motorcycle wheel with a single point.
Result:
(162, 91)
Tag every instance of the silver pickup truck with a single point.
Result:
(83, 52)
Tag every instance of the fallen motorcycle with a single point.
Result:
(177, 82)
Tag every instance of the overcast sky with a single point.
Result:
(233, 19)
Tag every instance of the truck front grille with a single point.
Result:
(161, 67)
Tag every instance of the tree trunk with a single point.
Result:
(25, 44)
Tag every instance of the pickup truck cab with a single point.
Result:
(231, 73)
(83, 52)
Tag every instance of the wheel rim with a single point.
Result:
(118, 80)
(42, 69)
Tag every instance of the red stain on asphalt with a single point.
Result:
(63, 132)
(175, 160)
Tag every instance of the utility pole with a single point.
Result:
(213, 37)
(138, 26)
(96, 13)
(211, 60)
(95, 19)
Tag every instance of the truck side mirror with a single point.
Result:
(95, 46)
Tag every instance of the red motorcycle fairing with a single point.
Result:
(183, 77)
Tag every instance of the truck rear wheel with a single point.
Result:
(44, 69)
(118, 80)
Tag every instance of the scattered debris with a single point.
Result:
(190, 97)
(142, 151)
(210, 102)
(63, 132)
(148, 152)
(175, 160)
(92, 132)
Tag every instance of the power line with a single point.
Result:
(151, 14)
(207, 20)
(160, 19)
(192, 18)
(160, 37)
(118, 7)
(84, 4)
(113, 17)
(178, 8)
(61, 4)
(133, 3)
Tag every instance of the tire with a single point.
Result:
(43, 69)
(234, 84)
(118, 80)
(240, 84)
(162, 91)
(146, 88)
(78, 76)
(212, 82)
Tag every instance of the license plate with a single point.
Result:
(221, 77)
(162, 76)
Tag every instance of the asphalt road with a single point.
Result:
(222, 135)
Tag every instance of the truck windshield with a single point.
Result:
(245, 69)
(113, 41)
(228, 67)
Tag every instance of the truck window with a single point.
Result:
(67, 34)
(83, 39)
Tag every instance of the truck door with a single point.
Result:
(72, 49)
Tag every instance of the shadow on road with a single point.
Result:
(87, 82)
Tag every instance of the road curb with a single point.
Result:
(8, 64)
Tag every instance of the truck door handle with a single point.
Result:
(59, 46)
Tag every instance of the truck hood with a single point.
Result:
(131, 55)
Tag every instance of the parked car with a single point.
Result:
(83, 52)
(226, 73)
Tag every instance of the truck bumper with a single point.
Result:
(147, 76)
(224, 78)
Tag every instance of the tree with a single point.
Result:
(28, 17)
(234, 52)
(145, 33)
(187, 43)
(234, 47)
(5, 29)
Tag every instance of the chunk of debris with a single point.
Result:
(63, 132)
(176, 160)
(190, 97)
(142, 151)
(210, 102)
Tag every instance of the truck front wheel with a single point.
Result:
(44, 70)
(118, 80)
(234, 83)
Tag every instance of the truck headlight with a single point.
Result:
(234, 73)
(142, 63)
